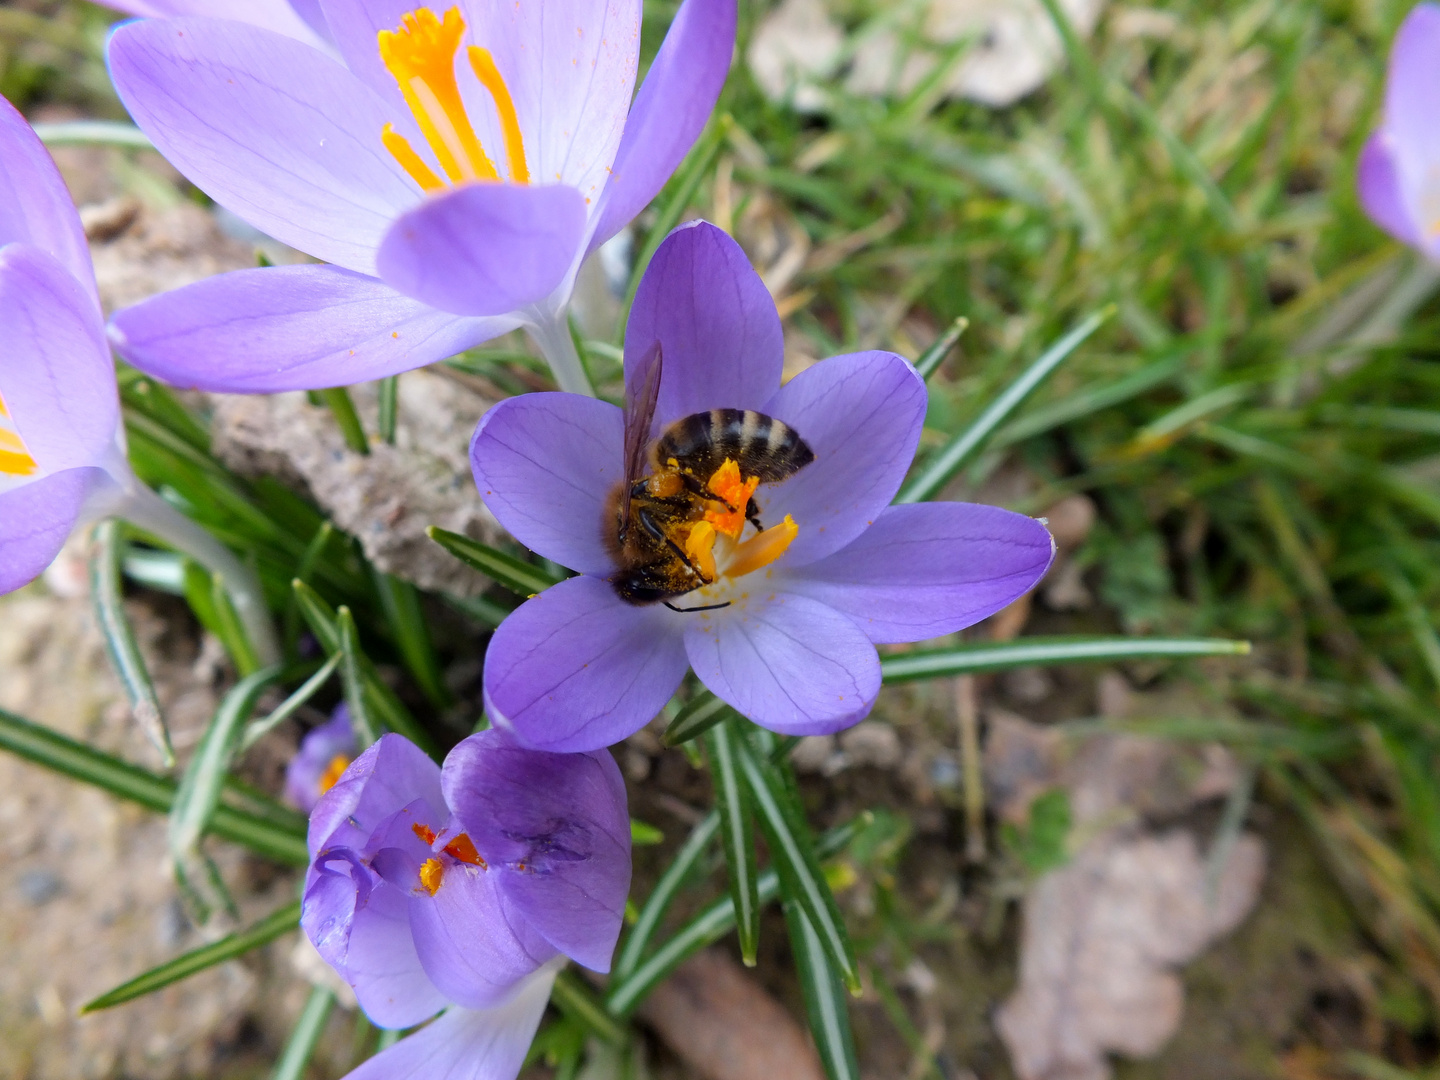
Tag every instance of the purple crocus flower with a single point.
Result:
(464, 888)
(299, 19)
(786, 630)
(324, 755)
(1399, 171)
(62, 458)
(454, 171)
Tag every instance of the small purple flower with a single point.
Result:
(62, 458)
(299, 19)
(324, 755)
(1399, 171)
(454, 170)
(794, 613)
(464, 888)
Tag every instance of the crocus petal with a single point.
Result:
(546, 466)
(468, 1044)
(57, 379)
(670, 111)
(787, 662)
(1378, 182)
(289, 328)
(36, 518)
(576, 668)
(484, 249)
(383, 966)
(282, 17)
(718, 329)
(466, 943)
(35, 206)
(562, 817)
(861, 414)
(318, 751)
(391, 773)
(1412, 91)
(268, 127)
(930, 569)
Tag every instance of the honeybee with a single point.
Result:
(670, 487)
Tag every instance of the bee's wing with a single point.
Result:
(642, 391)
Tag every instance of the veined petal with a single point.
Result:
(484, 248)
(670, 111)
(289, 328)
(861, 414)
(717, 326)
(36, 518)
(391, 773)
(57, 379)
(929, 569)
(382, 965)
(270, 128)
(546, 466)
(35, 206)
(555, 831)
(469, 1044)
(301, 20)
(787, 662)
(576, 668)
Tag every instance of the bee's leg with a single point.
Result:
(707, 607)
(654, 530)
(752, 515)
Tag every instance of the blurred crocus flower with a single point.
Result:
(324, 755)
(786, 630)
(454, 172)
(1399, 172)
(300, 19)
(464, 889)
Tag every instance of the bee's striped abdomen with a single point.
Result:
(761, 445)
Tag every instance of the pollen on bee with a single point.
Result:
(432, 872)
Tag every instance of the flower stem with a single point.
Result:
(144, 508)
(552, 333)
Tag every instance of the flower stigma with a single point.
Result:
(461, 849)
(420, 54)
(15, 458)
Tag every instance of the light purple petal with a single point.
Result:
(1412, 91)
(35, 206)
(930, 569)
(670, 111)
(484, 249)
(546, 466)
(467, 1044)
(861, 414)
(383, 966)
(56, 376)
(576, 668)
(1378, 182)
(390, 774)
(289, 328)
(318, 749)
(787, 662)
(466, 943)
(717, 325)
(268, 127)
(36, 518)
(277, 15)
(555, 830)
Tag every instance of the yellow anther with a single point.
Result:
(409, 160)
(15, 459)
(432, 872)
(490, 78)
(700, 549)
(420, 53)
(762, 549)
(336, 769)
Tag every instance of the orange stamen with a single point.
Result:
(424, 832)
(15, 458)
(463, 848)
(432, 872)
(762, 549)
(735, 492)
(490, 78)
(700, 548)
(336, 769)
(409, 160)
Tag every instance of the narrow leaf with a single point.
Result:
(949, 460)
(231, 630)
(287, 708)
(573, 996)
(1033, 652)
(931, 359)
(124, 650)
(304, 1036)
(825, 1004)
(660, 898)
(791, 846)
(337, 400)
(700, 714)
(400, 601)
(207, 956)
(366, 731)
(737, 830)
(389, 395)
(516, 575)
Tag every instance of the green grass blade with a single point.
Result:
(737, 829)
(230, 630)
(699, 715)
(287, 708)
(353, 679)
(93, 133)
(305, 1035)
(519, 577)
(389, 395)
(661, 897)
(401, 603)
(573, 996)
(931, 359)
(793, 850)
(199, 791)
(120, 643)
(937, 472)
(1032, 652)
(825, 1004)
(337, 400)
(197, 960)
